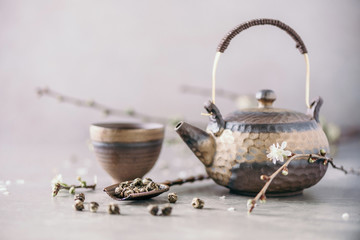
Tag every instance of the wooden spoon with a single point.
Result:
(164, 187)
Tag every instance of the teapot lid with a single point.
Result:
(265, 113)
(264, 118)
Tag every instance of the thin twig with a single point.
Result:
(100, 107)
(59, 186)
(341, 168)
(261, 195)
(107, 110)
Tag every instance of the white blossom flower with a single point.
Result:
(277, 153)
(57, 179)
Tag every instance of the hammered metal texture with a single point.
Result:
(240, 160)
(266, 116)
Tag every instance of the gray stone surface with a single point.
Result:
(29, 212)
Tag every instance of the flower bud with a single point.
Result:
(72, 190)
(311, 160)
(83, 184)
(264, 177)
(285, 171)
(322, 152)
(263, 199)
(251, 204)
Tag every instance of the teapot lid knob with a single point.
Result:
(265, 98)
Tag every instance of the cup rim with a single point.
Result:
(126, 132)
(128, 125)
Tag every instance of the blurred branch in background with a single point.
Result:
(333, 132)
(107, 111)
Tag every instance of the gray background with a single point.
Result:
(137, 54)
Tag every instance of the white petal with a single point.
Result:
(287, 153)
(283, 145)
(281, 159)
(272, 147)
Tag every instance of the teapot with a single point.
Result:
(234, 148)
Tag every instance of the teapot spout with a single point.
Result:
(200, 142)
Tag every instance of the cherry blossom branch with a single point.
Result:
(312, 158)
(58, 185)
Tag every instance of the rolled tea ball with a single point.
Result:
(197, 203)
(118, 190)
(128, 192)
(80, 196)
(166, 211)
(172, 197)
(153, 209)
(137, 182)
(78, 205)
(94, 206)
(152, 186)
(113, 208)
(146, 181)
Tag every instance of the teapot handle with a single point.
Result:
(299, 44)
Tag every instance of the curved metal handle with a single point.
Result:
(256, 22)
(226, 40)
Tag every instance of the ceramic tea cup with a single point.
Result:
(127, 150)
